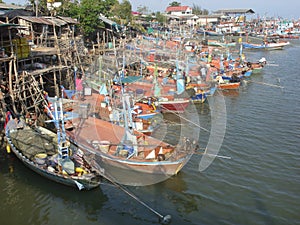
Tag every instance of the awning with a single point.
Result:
(130, 79)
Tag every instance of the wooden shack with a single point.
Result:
(39, 56)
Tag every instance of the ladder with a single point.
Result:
(63, 148)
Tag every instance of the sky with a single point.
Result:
(289, 9)
(270, 8)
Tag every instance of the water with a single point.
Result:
(260, 184)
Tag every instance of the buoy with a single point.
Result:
(79, 170)
(8, 148)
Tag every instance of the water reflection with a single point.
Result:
(178, 194)
(36, 200)
(230, 93)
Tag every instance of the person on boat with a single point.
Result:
(14, 123)
(235, 79)
(219, 79)
(263, 61)
(107, 100)
(8, 117)
(79, 86)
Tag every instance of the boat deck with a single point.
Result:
(92, 131)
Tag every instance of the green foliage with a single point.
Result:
(69, 9)
(149, 18)
(122, 12)
(143, 9)
(174, 3)
(160, 17)
(87, 12)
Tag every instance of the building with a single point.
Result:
(179, 10)
(238, 14)
(208, 20)
(178, 15)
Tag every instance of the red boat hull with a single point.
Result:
(177, 106)
(229, 86)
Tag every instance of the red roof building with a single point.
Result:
(179, 10)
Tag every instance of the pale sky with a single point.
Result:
(271, 8)
(289, 9)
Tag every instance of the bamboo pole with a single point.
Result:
(59, 61)
(10, 80)
(55, 83)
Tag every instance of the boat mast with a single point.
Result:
(63, 149)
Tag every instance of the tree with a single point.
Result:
(174, 3)
(122, 11)
(69, 9)
(89, 11)
(198, 11)
(143, 9)
(160, 17)
(42, 7)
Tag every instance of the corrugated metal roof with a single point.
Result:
(211, 16)
(33, 19)
(69, 20)
(56, 21)
(235, 11)
(8, 24)
(10, 14)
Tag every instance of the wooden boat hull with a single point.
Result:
(168, 168)
(140, 165)
(220, 44)
(85, 184)
(269, 46)
(177, 106)
(147, 116)
(138, 174)
(225, 86)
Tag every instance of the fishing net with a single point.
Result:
(31, 143)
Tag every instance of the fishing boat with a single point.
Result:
(257, 67)
(52, 156)
(175, 105)
(233, 83)
(266, 46)
(220, 44)
(122, 150)
(225, 86)
(166, 98)
(209, 32)
(145, 108)
(201, 94)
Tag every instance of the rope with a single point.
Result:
(164, 219)
(272, 85)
